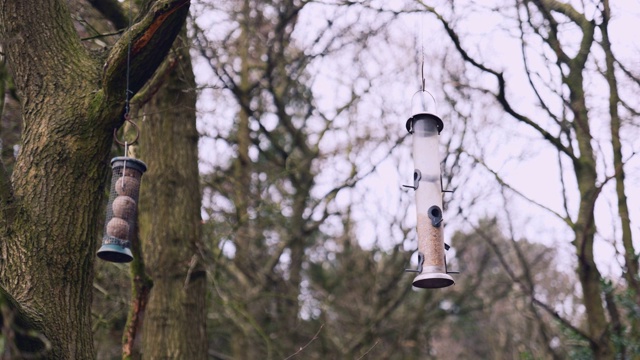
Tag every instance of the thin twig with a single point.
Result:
(566, 219)
(314, 338)
(368, 351)
(192, 265)
(102, 35)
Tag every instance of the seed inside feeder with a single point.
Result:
(118, 228)
(127, 185)
(123, 207)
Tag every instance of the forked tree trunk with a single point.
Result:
(585, 226)
(71, 101)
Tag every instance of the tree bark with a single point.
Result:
(170, 223)
(245, 245)
(630, 256)
(585, 227)
(584, 163)
(69, 110)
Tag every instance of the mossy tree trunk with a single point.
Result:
(630, 256)
(170, 222)
(71, 101)
(585, 169)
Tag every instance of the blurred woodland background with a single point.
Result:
(272, 222)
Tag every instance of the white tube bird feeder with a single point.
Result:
(425, 127)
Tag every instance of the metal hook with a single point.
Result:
(435, 102)
(123, 143)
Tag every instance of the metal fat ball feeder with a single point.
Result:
(425, 127)
(120, 223)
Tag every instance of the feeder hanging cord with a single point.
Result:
(128, 92)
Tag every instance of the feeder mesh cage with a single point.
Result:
(120, 222)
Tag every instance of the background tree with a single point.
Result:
(170, 222)
(576, 52)
(305, 254)
(270, 203)
(284, 203)
(169, 213)
(514, 278)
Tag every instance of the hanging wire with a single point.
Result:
(422, 19)
(420, 59)
(128, 92)
(422, 70)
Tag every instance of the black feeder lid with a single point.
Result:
(419, 116)
(132, 163)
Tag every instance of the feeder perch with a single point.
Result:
(120, 222)
(425, 127)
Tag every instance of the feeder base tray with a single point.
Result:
(115, 253)
(432, 280)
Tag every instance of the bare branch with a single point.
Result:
(579, 19)
(565, 200)
(155, 83)
(635, 78)
(369, 350)
(355, 178)
(552, 39)
(501, 96)
(566, 219)
(529, 72)
(314, 338)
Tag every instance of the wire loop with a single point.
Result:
(424, 106)
(125, 143)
